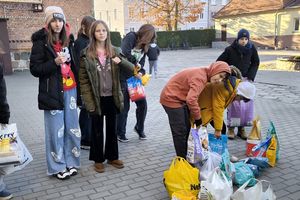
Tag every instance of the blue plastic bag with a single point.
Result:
(218, 145)
(242, 174)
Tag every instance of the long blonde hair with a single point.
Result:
(92, 47)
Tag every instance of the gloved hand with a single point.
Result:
(198, 122)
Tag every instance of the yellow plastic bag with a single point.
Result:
(181, 176)
(271, 152)
(183, 195)
(145, 79)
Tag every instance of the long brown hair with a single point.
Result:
(92, 48)
(86, 22)
(145, 35)
(62, 35)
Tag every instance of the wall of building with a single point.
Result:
(112, 12)
(22, 22)
(262, 28)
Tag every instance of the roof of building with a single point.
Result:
(238, 7)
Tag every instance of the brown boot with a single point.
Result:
(99, 167)
(242, 133)
(230, 133)
(116, 163)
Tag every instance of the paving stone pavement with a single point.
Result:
(277, 99)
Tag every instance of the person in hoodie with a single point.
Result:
(153, 53)
(243, 55)
(52, 61)
(85, 121)
(180, 96)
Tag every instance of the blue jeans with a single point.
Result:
(62, 135)
(153, 64)
(2, 185)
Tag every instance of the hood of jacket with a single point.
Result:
(217, 67)
(39, 35)
(153, 45)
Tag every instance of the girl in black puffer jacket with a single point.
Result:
(52, 61)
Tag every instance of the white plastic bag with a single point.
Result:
(255, 192)
(14, 156)
(216, 187)
(213, 161)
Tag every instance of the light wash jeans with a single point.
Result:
(62, 135)
(153, 64)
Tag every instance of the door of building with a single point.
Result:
(223, 32)
(4, 45)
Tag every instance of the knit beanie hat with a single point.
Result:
(246, 89)
(243, 33)
(54, 12)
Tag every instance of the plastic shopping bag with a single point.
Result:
(271, 151)
(216, 187)
(183, 195)
(135, 89)
(243, 173)
(197, 145)
(181, 176)
(14, 155)
(218, 145)
(272, 132)
(213, 161)
(255, 192)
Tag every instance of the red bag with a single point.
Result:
(135, 89)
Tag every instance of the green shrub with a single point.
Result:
(186, 38)
(115, 38)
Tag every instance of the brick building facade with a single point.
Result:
(21, 20)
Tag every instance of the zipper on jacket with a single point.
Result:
(47, 84)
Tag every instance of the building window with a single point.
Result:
(115, 14)
(131, 13)
(193, 28)
(131, 29)
(213, 2)
(201, 16)
(224, 2)
(201, 28)
(107, 15)
(100, 15)
(296, 23)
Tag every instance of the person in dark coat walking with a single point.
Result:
(153, 53)
(52, 61)
(243, 55)
(135, 46)
(85, 121)
(4, 118)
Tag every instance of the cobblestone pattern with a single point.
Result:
(145, 161)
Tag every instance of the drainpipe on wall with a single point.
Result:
(276, 31)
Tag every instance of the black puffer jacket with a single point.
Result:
(43, 66)
(4, 108)
(244, 58)
(79, 44)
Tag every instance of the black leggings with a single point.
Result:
(224, 130)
